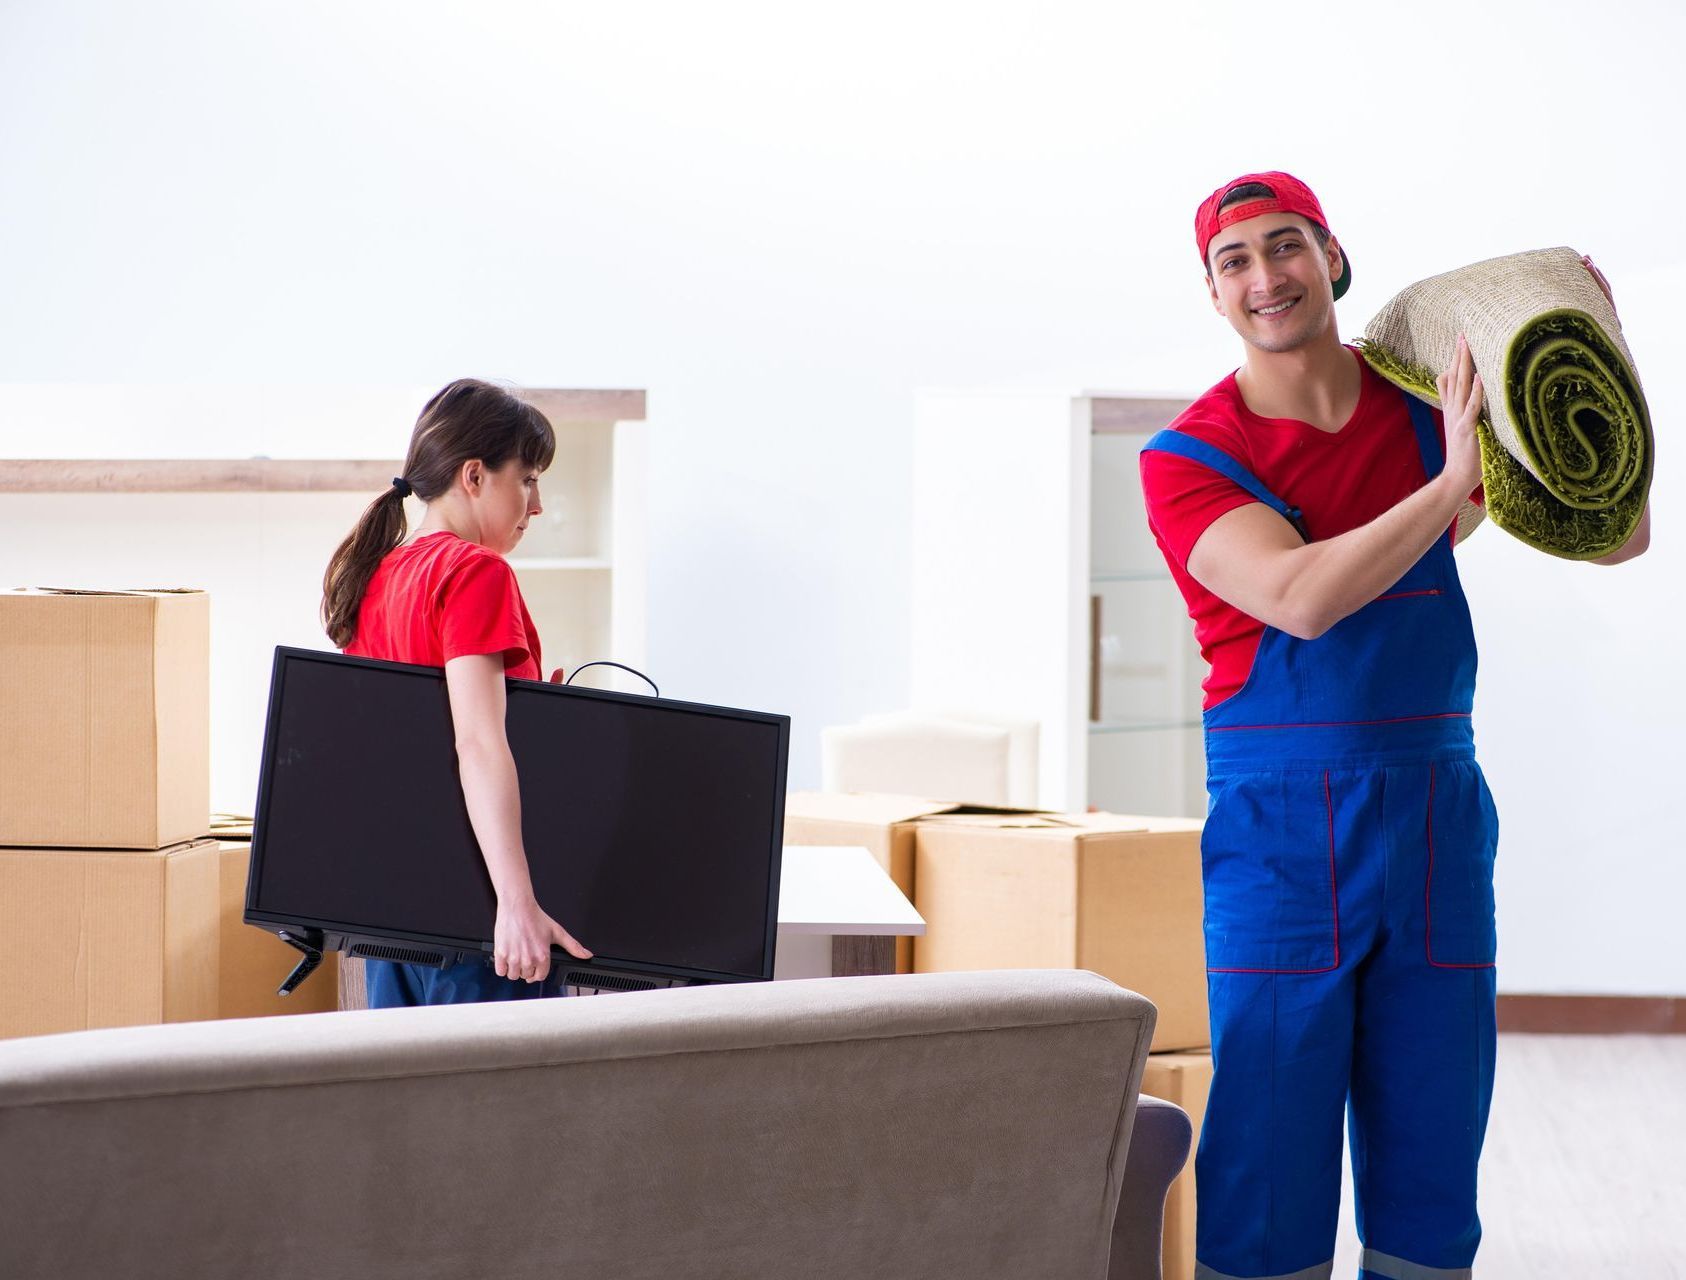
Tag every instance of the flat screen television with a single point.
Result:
(653, 828)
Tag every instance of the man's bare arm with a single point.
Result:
(1252, 559)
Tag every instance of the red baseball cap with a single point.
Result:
(1288, 195)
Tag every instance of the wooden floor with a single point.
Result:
(1584, 1171)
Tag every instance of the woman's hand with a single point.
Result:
(1460, 402)
(522, 938)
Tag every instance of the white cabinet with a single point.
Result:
(1038, 592)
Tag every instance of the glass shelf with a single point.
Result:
(558, 562)
(1140, 726)
(1138, 575)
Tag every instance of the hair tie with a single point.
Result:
(403, 486)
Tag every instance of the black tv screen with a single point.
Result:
(653, 827)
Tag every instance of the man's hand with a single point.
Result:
(522, 938)
(1460, 402)
(1599, 280)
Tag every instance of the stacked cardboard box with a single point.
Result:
(1182, 1078)
(108, 900)
(1116, 894)
(254, 961)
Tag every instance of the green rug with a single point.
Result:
(1566, 445)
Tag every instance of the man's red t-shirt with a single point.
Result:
(440, 597)
(1340, 480)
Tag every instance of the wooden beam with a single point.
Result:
(195, 475)
(1593, 1015)
(565, 407)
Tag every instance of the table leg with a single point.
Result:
(853, 955)
(354, 987)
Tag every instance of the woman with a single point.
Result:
(446, 597)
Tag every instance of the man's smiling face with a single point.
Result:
(1270, 279)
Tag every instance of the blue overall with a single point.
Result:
(1350, 943)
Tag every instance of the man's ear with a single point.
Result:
(1336, 259)
(1217, 302)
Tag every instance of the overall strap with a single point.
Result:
(1214, 458)
(1428, 436)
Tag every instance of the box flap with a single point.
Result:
(1135, 822)
(93, 591)
(878, 808)
(1008, 820)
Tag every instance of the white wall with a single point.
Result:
(781, 219)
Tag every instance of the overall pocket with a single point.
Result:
(1463, 837)
(1268, 861)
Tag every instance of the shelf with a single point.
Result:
(1140, 726)
(1139, 575)
(549, 563)
(1131, 415)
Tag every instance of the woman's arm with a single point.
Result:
(524, 933)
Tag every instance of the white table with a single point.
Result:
(839, 914)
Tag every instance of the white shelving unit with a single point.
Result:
(1038, 592)
(263, 484)
(582, 562)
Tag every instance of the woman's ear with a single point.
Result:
(472, 476)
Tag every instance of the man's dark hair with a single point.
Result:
(1259, 191)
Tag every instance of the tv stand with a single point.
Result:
(308, 941)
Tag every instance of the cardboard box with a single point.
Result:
(105, 699)
(108, 938)
(1185, 1079)
(1114, 894)
(882, 824)
(254, 961)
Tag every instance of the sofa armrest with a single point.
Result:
(1159, 1146)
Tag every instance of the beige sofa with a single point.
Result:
(971, 1125)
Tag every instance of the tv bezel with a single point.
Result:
(342, 934)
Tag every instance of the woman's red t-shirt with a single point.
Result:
(440, 597)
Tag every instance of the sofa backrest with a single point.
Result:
(932, 1125)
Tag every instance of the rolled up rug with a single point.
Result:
(1566, 445)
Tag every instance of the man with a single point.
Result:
(1307, 510)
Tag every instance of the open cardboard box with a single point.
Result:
(1116, 894)
(882, 824)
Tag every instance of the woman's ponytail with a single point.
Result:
(466, 419)
(381, 527)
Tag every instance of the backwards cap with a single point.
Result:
(1289, 195)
